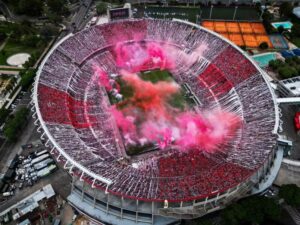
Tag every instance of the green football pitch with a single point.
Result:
(177, 100)
(191, 13)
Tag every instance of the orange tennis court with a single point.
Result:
(249, 34)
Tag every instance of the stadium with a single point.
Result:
(118, 105)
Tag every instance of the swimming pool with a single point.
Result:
(264, 59)
(286, 24)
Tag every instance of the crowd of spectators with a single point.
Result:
(74, 108)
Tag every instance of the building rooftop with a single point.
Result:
(293, 85)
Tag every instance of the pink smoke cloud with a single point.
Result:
(148, 117)
(135, 57)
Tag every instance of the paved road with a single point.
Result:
(9, 150)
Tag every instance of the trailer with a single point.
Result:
(46, 171)
(43, 164)
(40, 153)
(40, 158)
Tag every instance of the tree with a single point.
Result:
(3, 115)
(56, 5)
(267, 18)
(275, 64)
(101, 8)
(27, 79)
(252, 210)
(30, 7)
(291, 194)
(2, 36)
(286, 9)
(48, 31)
(263, 45)
(14, 125)
(295, 31)
(287, 72)
(280, 29)
(30, 40)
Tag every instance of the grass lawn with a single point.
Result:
(12, 48)
(156, 75)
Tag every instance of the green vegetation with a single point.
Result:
(37, 8)
(295, 33)
(296, 41)
(57, 6)
(289, 68)
(29, 7)
(101, 8)
(286, 9)
(264, 45)
(252, 210)
(280, 29)
(291, 194)
(156, 75)
(177, 100)
(267, 18)
(3, 115)
(13, 126)
(13, 47)
(23, 38)
(27, 77)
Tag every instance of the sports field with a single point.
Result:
(177, 100)
(191, 13)
(133, 101)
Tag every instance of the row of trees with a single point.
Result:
(286, 69)
(15, 123)
(252, 210)
(291, 194)
(35, 8)
(27, 78)
(256, 209)
(25, 34)
(4, 113)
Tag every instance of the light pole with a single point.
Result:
(235, 9)
(211, 7)
(261, 14)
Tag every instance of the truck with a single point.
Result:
(43, 164)
(8, 193)
(40, 153)
(40, 158)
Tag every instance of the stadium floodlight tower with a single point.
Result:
(79, 99)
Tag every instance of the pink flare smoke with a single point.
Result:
(161, 124)
(103, 79)
(148, 117)
(135, 57)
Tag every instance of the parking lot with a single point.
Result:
(26, 169)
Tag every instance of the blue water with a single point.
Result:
(286, 24)
(263, 60)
